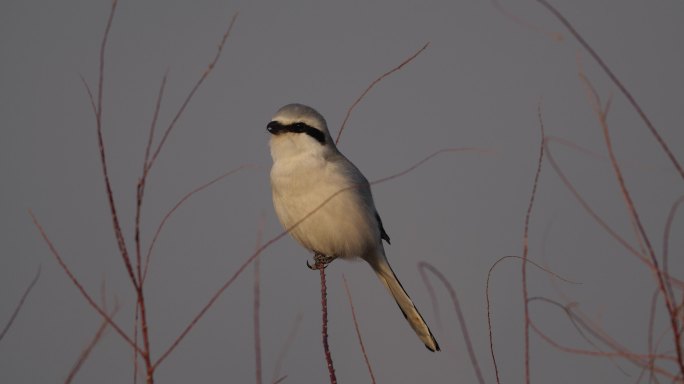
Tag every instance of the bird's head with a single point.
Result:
(297, 128)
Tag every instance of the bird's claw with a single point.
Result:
(311, 267)
(321, 261)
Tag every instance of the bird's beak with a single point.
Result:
(274, 128)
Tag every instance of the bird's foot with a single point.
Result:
(321, 261)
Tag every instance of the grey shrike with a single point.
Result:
(326, 202)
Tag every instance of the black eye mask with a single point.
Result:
(276, 128)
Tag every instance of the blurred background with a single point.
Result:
(480, 82)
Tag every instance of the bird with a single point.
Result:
(325, 203)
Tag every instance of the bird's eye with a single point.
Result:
(299, 127)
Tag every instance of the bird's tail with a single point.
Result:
(389, 279)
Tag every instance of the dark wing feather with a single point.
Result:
(383, 234)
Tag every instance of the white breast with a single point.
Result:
(326, 202)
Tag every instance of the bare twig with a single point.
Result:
(489, 306)
(670, 305)
(81, 289)
(583, 203)
(553, 35)
(321, 261)
(140, 191)
(373, 84)
(276, 378)
(324, 322)
(526, 246)
(256, 307)
(358, 331)
(433, 299)
(181, 202)
(617, 82)
(423, 265)
(20, 304)
(97, 105)
(430, 157)
(85, 353)
(642, 360)
(190, 95)
(666, 245)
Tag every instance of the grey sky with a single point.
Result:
(477, 85)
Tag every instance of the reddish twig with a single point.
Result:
(433, 299)
(666, 245)
(489, 306)
(651, 329)
(215, 297)
(320, 265)
(85, 353)
(373, 84)
(97, 109)
(583, 203)
(358, 331)
(422, 266)
(617, 83)
(82, 290)
(20, 304)
(528, 215)
(631, 207)
(136, 317)
(619, 350)
(118, 233)
(276, 378)
(140, 191)
(177, 205)
(256, 307)
(153, 124)
(190, 95)
(426, 159)
(555, 36)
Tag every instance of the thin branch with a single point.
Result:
(640, 360)
(433, 298)
(118, 233)
(82, 290)
(423, 265)
(666, 245)
(256, 307)
(20, 304)
(358, 331)
(215, 297)
(430, 157)
(631, 207)
(194, 89)
(153, 125)
(489, 306)
(85, 353)
(528, 215)
(276, 378)
(587, 208)
(178, 204)
(553, 35)
(320, 265)
(373, 84)
(617, 83)
(140, 192)
(582, 327)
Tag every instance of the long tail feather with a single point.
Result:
(389, 279)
